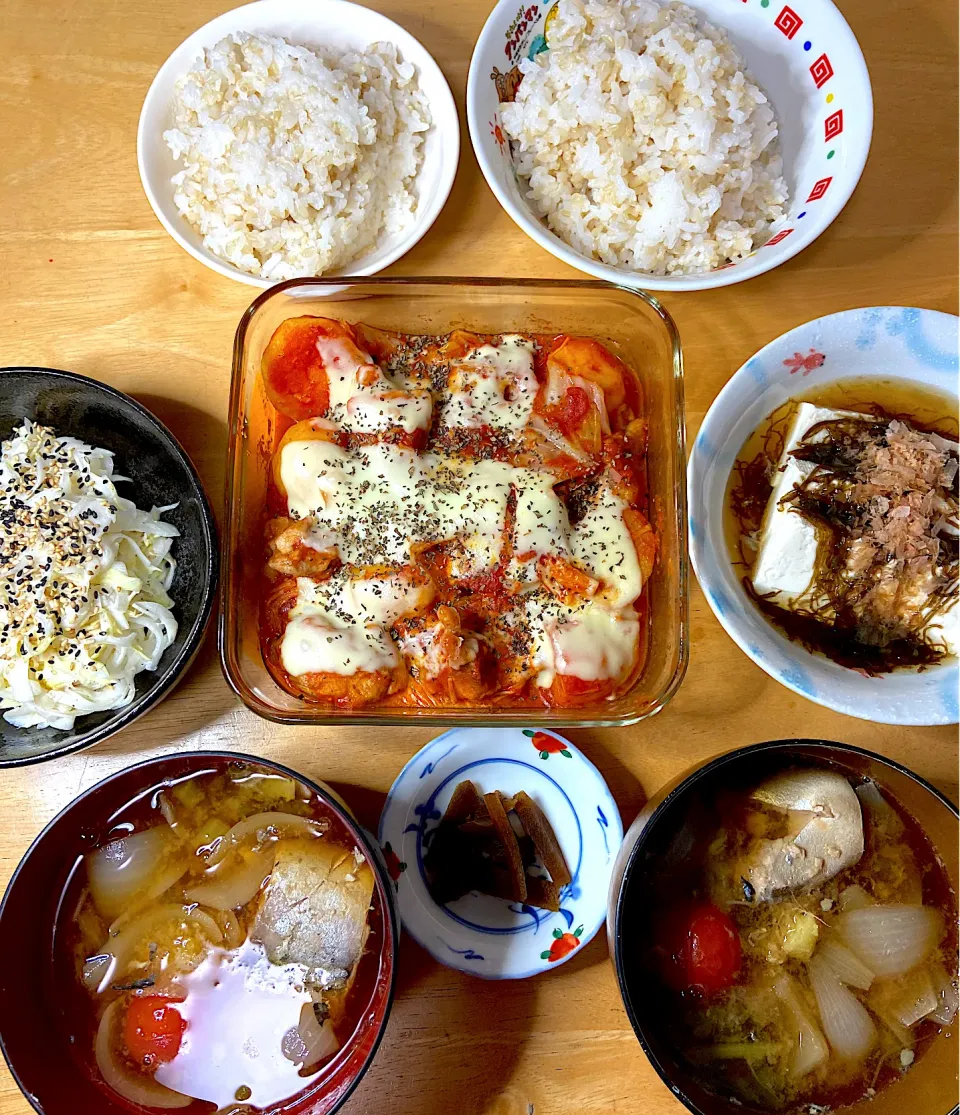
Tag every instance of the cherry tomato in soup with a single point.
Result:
(704, 950)
(153, 1029)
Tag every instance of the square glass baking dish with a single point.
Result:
(631, 323)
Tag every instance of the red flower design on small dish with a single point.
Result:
(562, 945)
(548, 745)
(798, 362)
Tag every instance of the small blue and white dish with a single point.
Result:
(491, 937)
(881, 342)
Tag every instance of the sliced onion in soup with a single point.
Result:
(905, 999)
(226, 886)
(947, 998)
(137, 1087)
(853, 898)
(810, 1048)
(891, 940)
(319, 1040)
(121, 871)
(845, 965)
(123, 946)
(162, 881)
(264, 827)
(849, 1028)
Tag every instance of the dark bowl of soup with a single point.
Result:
(207, 932)
(783, 926)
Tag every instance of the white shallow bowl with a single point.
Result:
(892, 342)
(334, 24)
(804, 56)
(485, 936)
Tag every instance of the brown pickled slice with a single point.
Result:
(545, 844)
(454, 860)
(472, 849)
(542, 893)
(466, 805)
(508, 876)
(475, 847)
(314, 909)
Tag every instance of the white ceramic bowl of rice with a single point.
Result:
(292, 138)
(670, 146)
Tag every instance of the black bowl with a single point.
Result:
(660, 838)
(161, 473)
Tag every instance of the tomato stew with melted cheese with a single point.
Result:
(454, 520)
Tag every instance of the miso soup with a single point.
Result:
(218, 945)
(802, 954)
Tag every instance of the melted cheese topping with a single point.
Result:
(374, 411)
(603, 546)
(494, 386)
(338, 626)
(589, 641)
(376, 503)
(427, 650)
(541, 526)
(380, 500)
(363, 399)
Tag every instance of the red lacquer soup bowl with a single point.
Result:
(49, 1051)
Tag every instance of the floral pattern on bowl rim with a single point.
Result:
(893, 342)
(479, 934)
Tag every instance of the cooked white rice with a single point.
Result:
(295, 161)
(642, 141)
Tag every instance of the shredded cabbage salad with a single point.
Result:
(84, 579)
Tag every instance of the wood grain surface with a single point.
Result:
(89, 281)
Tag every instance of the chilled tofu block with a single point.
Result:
(314, 909)
(787, 557)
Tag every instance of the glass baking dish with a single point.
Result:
(631, 323)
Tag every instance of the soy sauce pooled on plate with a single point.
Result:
(214, 945)
(804, 939)
(844, 514)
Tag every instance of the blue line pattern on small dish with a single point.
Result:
(467, 954)
(530, 911)
(604, 825)
(425, 815)
(434, 763)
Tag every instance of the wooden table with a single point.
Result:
(89, 281)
